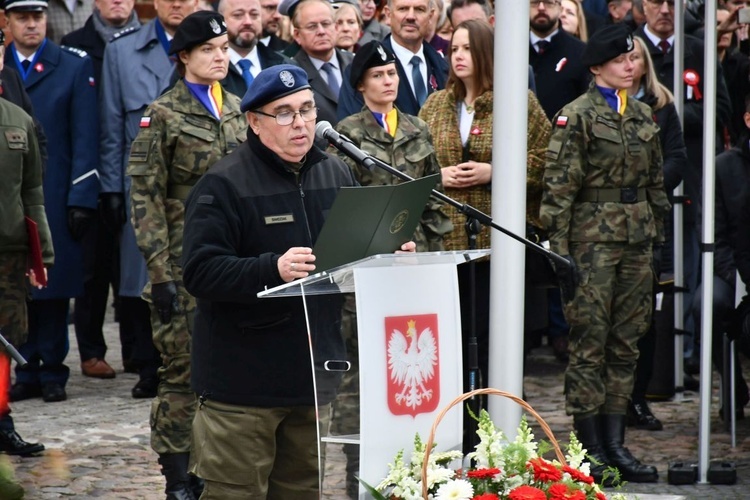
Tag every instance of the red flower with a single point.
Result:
(544, 471)
(527, 493)
(560, 491)
(600, 496)
(578, 475)
(476, 131)
(483, 473)
(486, 496)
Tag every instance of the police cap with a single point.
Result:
(25, 5)
(274, 83)
(606, 44)
(197, 28)
(368, 56)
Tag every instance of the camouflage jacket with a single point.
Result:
(411, 152)
(593, 151)
(177, 143)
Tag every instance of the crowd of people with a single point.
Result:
(172, 163)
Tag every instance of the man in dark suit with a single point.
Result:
(314, 31)
(421, 69)
(100, 261)
(61, 85)
(269, 18)
(247, 57)
(555, 57)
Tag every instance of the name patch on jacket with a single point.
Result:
(279, 219)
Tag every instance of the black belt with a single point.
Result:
(616, 195)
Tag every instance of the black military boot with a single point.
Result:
(640, 416)
(589, 434)
(174, 467)
(13, 444)
(613, 432)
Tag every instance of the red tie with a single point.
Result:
(664, 46)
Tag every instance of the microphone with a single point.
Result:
(324, 130)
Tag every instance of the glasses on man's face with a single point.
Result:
(287, 117)
(547, 3)
(313, 27)
(659, 3)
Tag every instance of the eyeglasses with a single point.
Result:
(287, 117)
(547, 3)
(313, 27)
(659, 3)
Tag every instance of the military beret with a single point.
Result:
(368, 56)
(26, 5)
(197, 28)
(274, 83)
(286, 7)
(336, 4)
(606, 44)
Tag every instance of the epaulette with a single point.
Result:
(73, 50)
(124, 32)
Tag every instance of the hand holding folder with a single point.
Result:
(36, 263)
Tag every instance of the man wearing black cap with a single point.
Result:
(250, 224)
(182, 134)
(61, 85)
(604, 207)
(136, 70)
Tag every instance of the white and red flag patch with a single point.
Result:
(145, 122)
(561, 121)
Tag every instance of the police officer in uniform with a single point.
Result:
(60, 82)
(182, 134)
(604, 206)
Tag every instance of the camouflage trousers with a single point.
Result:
(173, 409)
(610, 311)
(13, 292)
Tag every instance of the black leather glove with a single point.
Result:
(657, 259)
(112, 207)
(164, 296)
(79, 221)
(567, 277)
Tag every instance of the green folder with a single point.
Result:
(369, 220)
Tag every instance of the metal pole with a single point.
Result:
(709, 166)
(509, 209)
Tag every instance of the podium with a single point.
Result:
(387, 374)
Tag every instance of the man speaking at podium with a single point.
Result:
(250, 224)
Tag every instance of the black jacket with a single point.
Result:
(732, 188)
(86, 38)
(12, 89)
(241, 216)
(235, 83)
(560, 77)
(351, 102)
(742, 251)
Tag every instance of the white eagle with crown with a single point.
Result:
(412, 359)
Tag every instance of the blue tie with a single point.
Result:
(420, 89)
(246, 74)
(332, 82)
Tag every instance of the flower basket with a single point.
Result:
(479, 392)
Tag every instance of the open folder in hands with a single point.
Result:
(369, 220)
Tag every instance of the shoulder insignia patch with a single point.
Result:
(145, 122)
(124, 32)
(73, 50)
(561, 121)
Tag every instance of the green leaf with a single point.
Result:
(372, 491)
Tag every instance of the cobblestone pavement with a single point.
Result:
(98, 440)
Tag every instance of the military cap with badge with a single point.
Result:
(606, 44)
(370, 55)
(26, 5)
(274, 83)
(197, 28)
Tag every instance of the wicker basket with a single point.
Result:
(468, 395)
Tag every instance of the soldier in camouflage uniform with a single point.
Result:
(21, 195)
(183, 133)
(404, 142)
(604, 204)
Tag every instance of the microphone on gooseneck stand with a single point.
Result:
(324, 130)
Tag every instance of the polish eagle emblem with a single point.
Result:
(413, 371)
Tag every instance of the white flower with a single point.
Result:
(459, 489)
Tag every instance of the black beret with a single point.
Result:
(197, 28)
(26, 5)
(606, 44)
(368, 56)
(274, 83)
